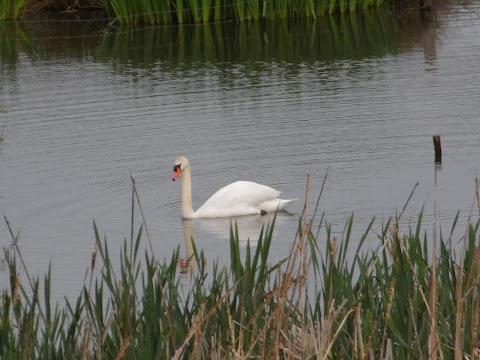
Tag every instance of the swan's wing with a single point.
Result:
(237, 198)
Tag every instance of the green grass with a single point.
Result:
(404, 300)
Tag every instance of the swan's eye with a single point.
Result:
(175, 167)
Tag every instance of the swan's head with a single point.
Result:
(181, 163)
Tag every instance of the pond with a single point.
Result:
(84, 107)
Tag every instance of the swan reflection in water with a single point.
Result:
(249, 228)
(188, 263)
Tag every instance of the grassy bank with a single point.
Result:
(411, 298)
(186, 11)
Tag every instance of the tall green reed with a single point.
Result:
(151, 12)
(325, 299)
(11, 9)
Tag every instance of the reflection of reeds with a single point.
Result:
(2, 127)
(372, 33)
(8, 43)
(349, 36)
(337, 302)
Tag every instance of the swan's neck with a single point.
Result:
(187, 210)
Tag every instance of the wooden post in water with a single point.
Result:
(438, 149)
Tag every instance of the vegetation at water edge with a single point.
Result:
(412, 297)
(187, 11)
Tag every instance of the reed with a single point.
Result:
(11, 9)
(379, 303)
(164, 12)
(136, 12)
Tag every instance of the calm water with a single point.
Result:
(82, 108)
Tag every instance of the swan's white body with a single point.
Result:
(235, 199)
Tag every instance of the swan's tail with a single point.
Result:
(282, 204)
(274, 205)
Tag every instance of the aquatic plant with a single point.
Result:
(413, 297)
(163, 12)
(10, 9)
(204, 11)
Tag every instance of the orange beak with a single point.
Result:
(176, 173)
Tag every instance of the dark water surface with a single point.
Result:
(359, 97)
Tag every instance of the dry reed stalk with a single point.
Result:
(420, 290)
(277, 322)
(215, 346)
(301, 344)
(16, 293)
(296, 277)
(433, 340)
(302, 272)
(389, 351)
(475, 296)
(332, 256)
(197, 340)
(237, 353)
(318, 202)
(123, 349)
(317, 337)
(387, 315)
(458, 315)
(332, 341)
(307, 190)
(28, 337)
(143, 216)
(415, 330)
(327, 326)
(477, 193)
(126, 331)
(296, 247)
(240, 333)
(167, 312)
(406, 203)
(15, 244)
(253, 319)
(292, 279)
(86, 331)
(278, 318)
(104, 334)
(409, 260)
(368, 347)
(86, 337)
(322, 339)
(288, 278)
(358, 339)
(132, 216)
(197, 323)
(94, 256)
(471, 289)
(302, 278)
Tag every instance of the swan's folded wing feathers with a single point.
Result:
(240, 194)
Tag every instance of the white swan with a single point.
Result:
(238, 198)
